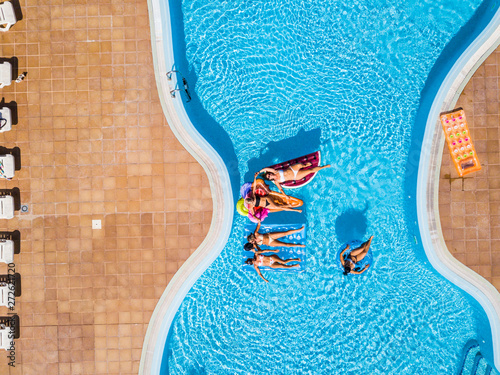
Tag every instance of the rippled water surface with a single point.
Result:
(284, 78)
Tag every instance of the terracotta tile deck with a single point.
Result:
(94, 145)
(470, 206)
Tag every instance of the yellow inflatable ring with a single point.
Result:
(240, 207)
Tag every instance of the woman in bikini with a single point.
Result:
(292, 173)
(271, 202)
(271, 239)
(272, 261)
(354, 257)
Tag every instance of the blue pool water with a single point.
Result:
(273, 80)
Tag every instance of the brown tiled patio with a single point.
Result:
(470, 207)
(94, 145)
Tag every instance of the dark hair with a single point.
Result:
(269, 175)
(249, 261)
(347, 269)
(248, 246)
(250, 237)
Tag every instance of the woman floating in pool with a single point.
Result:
(272, 261)
(270, 239)
(270, 200)
(354, 257)
(292, 173)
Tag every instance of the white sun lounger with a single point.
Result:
(6, 207)
(5, 119)
(5, 342)
(7, 16)
(7, 251)
(5, 74)
(7, 166)
(4, 294)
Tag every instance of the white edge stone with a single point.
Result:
(220, 185)
(428, 182)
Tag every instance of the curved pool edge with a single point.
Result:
(220, 187)
(428, 182)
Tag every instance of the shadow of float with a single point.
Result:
(351, 225)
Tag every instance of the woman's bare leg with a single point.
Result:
(276, 265)
(277, 259)
(277, 243)
(299, 166)
(277, 235)
(281, 207)
(361, 251)
(304, 172)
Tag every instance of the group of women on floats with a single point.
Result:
(265, 199)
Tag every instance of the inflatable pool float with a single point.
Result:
(284, 252)
(263, 190)
(284, 199)
(240, 207)
(314, 159)
(260, 212)
(459, 142)
(368, 259)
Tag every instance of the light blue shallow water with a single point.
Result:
(284, 78)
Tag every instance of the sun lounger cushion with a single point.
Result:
(4, 294)
(5, 74)
(7, 251)
(6, 207)
(7, 166)
(5, 119)
(7, 16)
(5, 342)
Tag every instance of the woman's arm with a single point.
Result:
(275, 181)
(257, 229)
(271, 170)
(253, 249)
(255, 179)
(254, 185)
(278, 185)
(342, 253)
(260, 274)
(360, 272)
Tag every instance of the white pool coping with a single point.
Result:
(428, 182)
(220, 186)
(223, 207)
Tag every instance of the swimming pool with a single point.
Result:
(327, 79)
